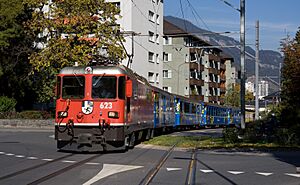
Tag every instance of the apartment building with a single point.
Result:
(141, 23)
(191, 67)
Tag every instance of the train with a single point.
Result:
(109, 107)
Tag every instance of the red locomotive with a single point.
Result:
(95, 109)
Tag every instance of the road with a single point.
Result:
(30, 157)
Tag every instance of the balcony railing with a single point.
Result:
(222, 77)
(214, 57)
(213, 85)
(197, 97)
(197, 82)
(194, 65)
(213, 71)
(213, 98)
(222, 66)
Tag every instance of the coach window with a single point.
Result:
(186, 107)
(73, 87)
(104, 87)
(121, 88)
(194, 108)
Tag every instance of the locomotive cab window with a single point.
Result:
(104, 87)
(73, 87)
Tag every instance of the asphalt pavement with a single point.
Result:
(31, 157)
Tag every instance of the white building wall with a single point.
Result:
(135, 17)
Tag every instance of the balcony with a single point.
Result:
(213, 71)
(214, 57)
(222, 67)
(197, 97)
(222, 90)
(194, 65)
(197, 82)
(213, 85)
(213, 98)
(223, 78)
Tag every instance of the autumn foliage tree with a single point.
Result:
(69, 31)
(290, 87)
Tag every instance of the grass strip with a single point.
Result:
(206, 142)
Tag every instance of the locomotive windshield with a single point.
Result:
(73, 87)
(104, 87)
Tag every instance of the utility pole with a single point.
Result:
(257, 71)
(243, 76)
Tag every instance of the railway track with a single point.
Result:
(151, 174)
(191, 174)
(63, 170)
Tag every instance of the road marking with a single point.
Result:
(66, 161)
(235, 172)
(47, 159)
(19, 156)
(9, 154)
(207, 171)
(263, 173)
(92, 163)
(32, 158)
(293, 175)
(173, 169)
(110, 169)
(2, 153)
(51, 136)
(298, 169)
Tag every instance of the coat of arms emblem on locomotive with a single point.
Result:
(87, 107)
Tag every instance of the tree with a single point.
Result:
(232, 97)
(290, 80)
(69, 31)
(15, 47)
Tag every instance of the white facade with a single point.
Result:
(263, 89)
(250, 87)
(145, 19)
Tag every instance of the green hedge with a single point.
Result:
(30, 114)
(7, 104)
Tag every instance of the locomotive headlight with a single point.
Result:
(62, 114)
(113, 114)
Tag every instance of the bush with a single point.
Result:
(7, 104)
(230, 135)
(34, 115)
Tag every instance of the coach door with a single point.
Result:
(156, 109)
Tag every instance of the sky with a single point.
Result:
(277, 18)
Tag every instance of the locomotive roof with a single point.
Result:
(96, 70)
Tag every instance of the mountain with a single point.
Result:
(269, 60)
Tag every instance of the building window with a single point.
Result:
(168, 89)
(157, 78)
(151, 16)
(157, 19)
(167, 73)
(157, 39)
(151, 36)
(151, 57)
(167, 40)
(167, 57)
(157, 58)
(151, 77)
